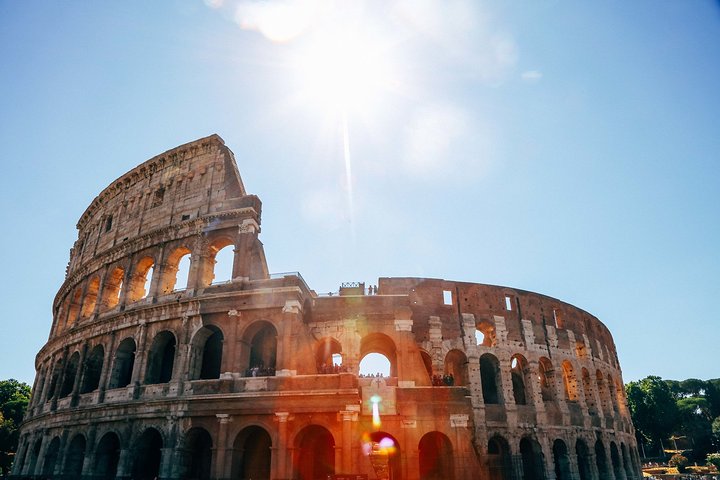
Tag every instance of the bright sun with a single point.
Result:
(342, 71)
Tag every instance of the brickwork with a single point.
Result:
(148, 375)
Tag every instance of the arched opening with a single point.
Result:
(90, 300)
(612, 393)
(499, 460)
(378, 343)
(196, 455)
(206, 353)
(601, 460)
(224, 258)
(326, 356)
(261, 358)
(570, 381)
(603, 393)
(562, 460)
(485, 333)
(375, 365)
(252, 454)
(73, 310)
(615, 459)
(71, 370)
(113, 287)
(314, 454)
(146, 455)
(93, 369)
(545, 375)
(107, 456)
(436, 457)
(124, 362)
(583, 460)
(456, 364)
(518, 373)
(176, 271)
(490, 379)
(34, 454)
(392, 447)
(141, 279)
(161, 358)
(627, 463)
(57, 371)
(75, 457)
(532, 459)
(51, 457)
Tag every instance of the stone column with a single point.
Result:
(282, 448)
(242, 262)
(74, 396)
(403, 327)
(459, 423)
(220, 468)
(89, 460)
(348, 416)
(292, 314)
(105, 373)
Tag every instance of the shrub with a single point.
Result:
(714, 460)
(679, 461)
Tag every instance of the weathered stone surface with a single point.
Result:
(141, 379)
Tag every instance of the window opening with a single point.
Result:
(447, 297)
(508, 303)
(375, 365)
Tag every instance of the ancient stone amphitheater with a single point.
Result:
(154, 370)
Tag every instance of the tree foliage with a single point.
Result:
(14, 399)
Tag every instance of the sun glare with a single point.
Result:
(342, 71)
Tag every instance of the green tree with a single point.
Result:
(14, 399)
(653, 408)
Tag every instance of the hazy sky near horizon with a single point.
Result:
(567, 148)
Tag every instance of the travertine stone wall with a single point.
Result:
(236, 379)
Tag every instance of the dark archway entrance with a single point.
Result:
(314, 456)
(436, 457)
(252, 454)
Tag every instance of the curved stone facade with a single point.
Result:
(147, 374)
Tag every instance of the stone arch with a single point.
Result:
(51, 457)
(220, 247)
(206, 350)
(121, 375)
(583, 459)
(392, 447)
(161, 358)
(533, 460)
(626, 460)
(612, 393)
(485, 332)
(252, 454)
(601, 460)
(436, 457)
(570, 381)
(382, 344)
(498, 459)
(456, 363)
(314, 453)
(427, 363)
(93, 369)
(261, 356)
(545, 374)
(34, 455)
(490, 379)
(615, 460)
(113, 287)
(71, 370)
(141, 276)
(196, 454)
(326, 349)
(75, 456)
(107, 456)
(175, 265)
(603, 393)
(519, 372)
(73, 308)
(91, 295)
(54, 379)
(146, 455)
(561, 460)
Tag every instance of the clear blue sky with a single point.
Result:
(568, 148)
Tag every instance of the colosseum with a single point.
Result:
(158, 367)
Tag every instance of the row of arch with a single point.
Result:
(577, 461)
(610, 392)
(312, 455)
(147, 276)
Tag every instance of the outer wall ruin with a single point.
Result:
(149, 375)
